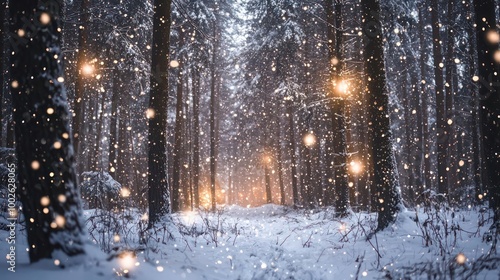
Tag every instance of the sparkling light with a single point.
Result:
(493, 37)
(45, 201)
(356, 167)
(150, 113)
(309, 139)
(174, 63)
(461, 258)
(342, 87)
(126, 260)
(35, 165)
(44, 18)
(87, 69)
(125, 192)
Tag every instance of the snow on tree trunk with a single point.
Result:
(47, 181)
(385, 183)
(158, 193)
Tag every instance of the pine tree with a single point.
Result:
(47, 181)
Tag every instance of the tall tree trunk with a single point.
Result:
(335, 55)
(279, 162)
(424, 99)
(213, 127)
(78, 104)
(293, 156)
(489, 95)
(196, 135)
(441, 122)
(113, 130)
(267, 179)
(43, 140)
(384, 175)
(450, 90)
(158, 194)
(179, 119)
(3, 90)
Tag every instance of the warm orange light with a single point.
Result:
(125, 192)
(461, 259)
(356, 167)
(126, 260)
(309, 139)
(496, 56)
(493, 37)
(88, 69)
(341, 87)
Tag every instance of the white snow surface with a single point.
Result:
(276, 242)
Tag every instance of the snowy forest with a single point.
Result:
(250, 139)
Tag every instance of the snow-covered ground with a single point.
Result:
(275, 242)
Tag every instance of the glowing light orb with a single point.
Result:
(342, 87)
(309, 139)
(125, 192)
(174, 63)
(493, 37)
(88, 69)
(461, 259)
(356, 167)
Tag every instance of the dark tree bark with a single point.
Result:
(450, 91)
(489, 95)
(424, 99)
(113, 127)
(441, 122)
(3, 90)
(158, 194)
(78, 104)
(335, 55)
(267, 179)
(385, 182)
(293, 156)
(213, 126)
(47, 181)
(196, 135)
(179, 119)
(279, 162)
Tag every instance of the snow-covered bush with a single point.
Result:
(100, 190)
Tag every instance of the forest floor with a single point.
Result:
(275, 242)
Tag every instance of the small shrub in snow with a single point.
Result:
(100, 190)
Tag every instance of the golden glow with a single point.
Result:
(461, 259)
(188, 217)
(341, 87)
(88, 69)
(356, 167)
(174, 63)
(35, 165)
(125, 192)
(45, 201)
(150, 113)
(44, 18)
(309, 139)
(496, 56)
(126, 260)
(57, 145)
(493, 37)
